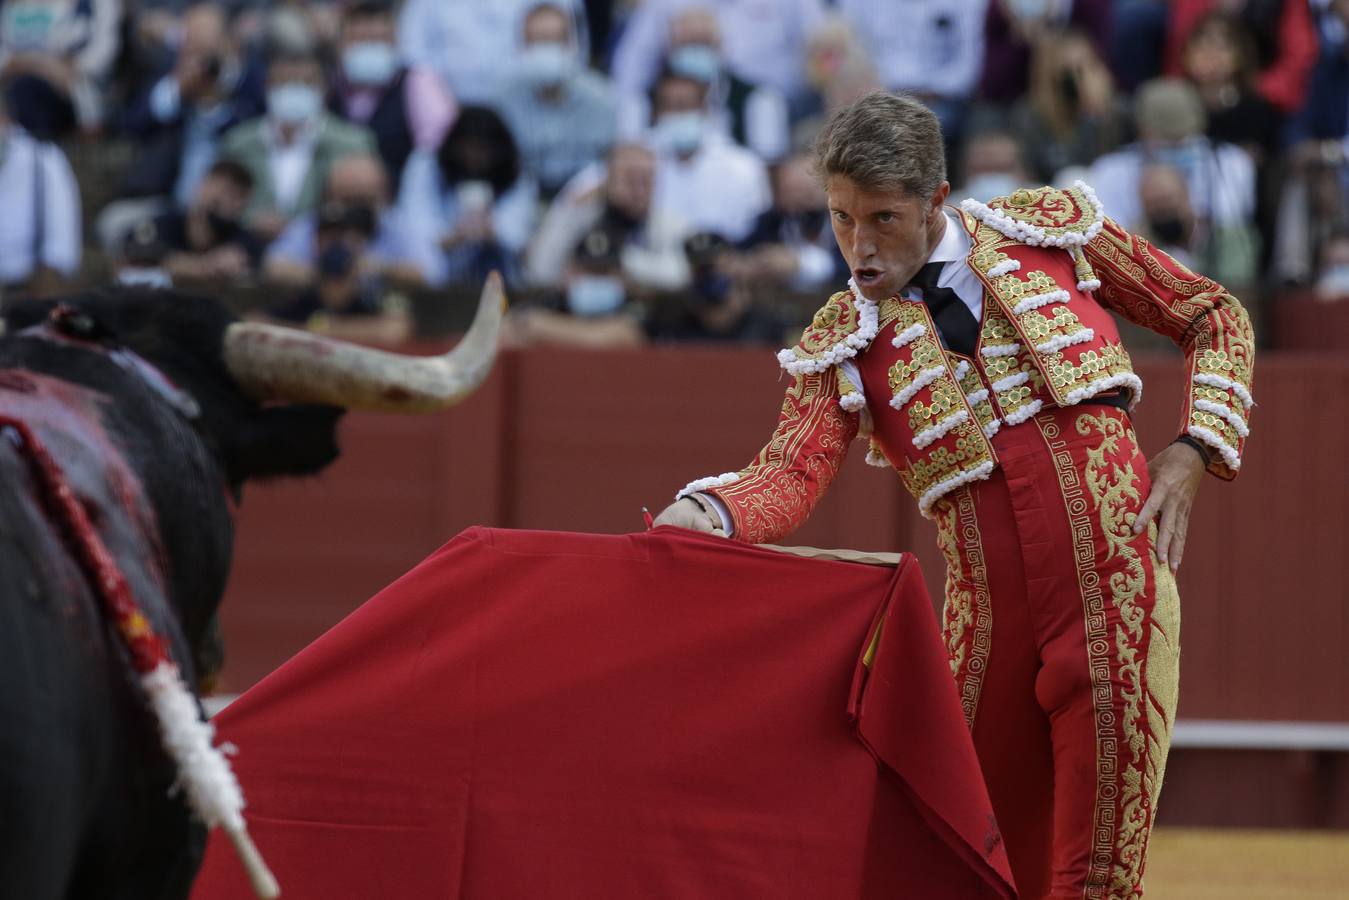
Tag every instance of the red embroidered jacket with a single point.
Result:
(1051, 265)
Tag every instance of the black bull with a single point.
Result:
(86, 809)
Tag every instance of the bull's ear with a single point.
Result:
(283, 440)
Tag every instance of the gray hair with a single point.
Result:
(884, 141)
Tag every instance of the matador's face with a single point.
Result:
(885, 235)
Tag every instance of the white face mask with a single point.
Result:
(700, 62)
(294, 102)
(370, 63)
(989, 185)
(1334, 284)
(681, 132)
(546, 65)
(595, 295)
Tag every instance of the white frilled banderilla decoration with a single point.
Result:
(204, 774)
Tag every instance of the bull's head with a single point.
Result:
(268, 397)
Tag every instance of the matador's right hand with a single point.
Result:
(689, 513)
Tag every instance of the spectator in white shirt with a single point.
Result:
(712, 183)
(763, 41)
(561, 112)
(755, 116)
(290, 150)
(650, 241)
(933, 49)
(40, 228)
(471, 44)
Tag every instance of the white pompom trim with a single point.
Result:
(1066, 340)
(1016, 379)
(1105, 383)
(962, 369)
(703, 484)
(977, 397)
(1210, 437)
(924, 378)
(1000, 350)
(1026, 304)
(868, 323)
(1225, 414)
(992, 428)
(204, 774)
(1006, 267)
(1089, 285)
(930, 434)
(1024, 413)
(934, 493)
(908, 335)
(854, 401)
(877, 459)
(1030, 234)
(1222, 381)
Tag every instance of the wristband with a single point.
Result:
(1203, 451)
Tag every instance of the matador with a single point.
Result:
(976, 350)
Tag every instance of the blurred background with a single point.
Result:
(640, 172)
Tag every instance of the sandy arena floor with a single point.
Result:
(1186, 864)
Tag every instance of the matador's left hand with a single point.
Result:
(1175, 473)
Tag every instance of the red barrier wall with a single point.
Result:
(581, 441)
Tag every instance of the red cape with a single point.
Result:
(663, 714)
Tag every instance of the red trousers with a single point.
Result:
(1063, 633)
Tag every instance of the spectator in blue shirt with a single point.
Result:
(561, 112)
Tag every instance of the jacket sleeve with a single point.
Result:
(1149, 288)
(776, 493)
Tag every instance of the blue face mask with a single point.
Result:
(1334, 283)
(595, 295)
(547, 64)
(294, 103)
(370, 63)
(681, 132)
(699, 62)
(1186, 156)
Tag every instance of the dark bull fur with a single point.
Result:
(85, 805)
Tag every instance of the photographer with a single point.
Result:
(717, 306)
(357, 193)
(208, 241)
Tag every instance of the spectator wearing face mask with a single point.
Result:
(1171, 121)
(992, 166)
(702, 176)
(208, 240)
(717, 307)
(472, 45)
(1170, 222)
(763, 41)
(473, 196)
(179, 120)
(1014, 30)
(649, 240)
(357, 196)
(56, 58)
(290, 150)
(1332, 277)
(753, 116)
(596, 311)
(1072, 113)
(403, 107)
(791, 245)
(561, 112)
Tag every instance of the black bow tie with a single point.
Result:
(957, 326)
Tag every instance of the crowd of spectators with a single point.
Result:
(640, 169)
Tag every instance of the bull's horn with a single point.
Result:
(271, 362)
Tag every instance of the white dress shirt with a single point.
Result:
(30, 171)
(722, 188)
(927, 46)
(289, 164)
